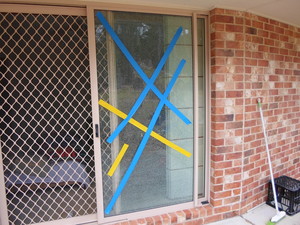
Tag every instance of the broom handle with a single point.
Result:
(268, 153)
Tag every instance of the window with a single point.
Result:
(146, 81)
(125, 136)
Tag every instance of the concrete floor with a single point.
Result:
(259, 216)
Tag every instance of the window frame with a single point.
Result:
(93, 70)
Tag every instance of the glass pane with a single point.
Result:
(201, 102)
(162, 176)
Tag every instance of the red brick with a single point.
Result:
(257, 24)
(219, 27)
(251, 62)
(232, 185)
(296, 72)
(239, 20)
(222, 209)
(254, 171)
(217, 158)
(234, 94)
(234, 28)
(150, 221)
(218, 11)
(239, 53)
(279, 30)
(236, 155)
(173, 217)
(259, 40)
(217, 142)
(234, 170)
(217, 188)
(239, 37)
(158, 220)
(224, 149)
(257, 85)
(222, 118)
(218, 126)
(274, 50)
(221, 165)
(251, 30)
(257, 55)
(141, 221)
(234, 125)
(234, 45)
(263, 33)
(223, 19)
(217, 110)
(232, 200)
(218, 44)
(166, 219)
(224, 52)
(269, 27)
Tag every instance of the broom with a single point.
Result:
(279, 214)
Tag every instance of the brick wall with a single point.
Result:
(251, 57)
(272, 69)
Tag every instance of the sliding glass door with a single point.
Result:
(103, 114)
(146, 108)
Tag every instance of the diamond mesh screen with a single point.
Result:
(46, 121)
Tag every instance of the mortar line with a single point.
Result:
(244, 112)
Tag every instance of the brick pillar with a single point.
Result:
(227, 101)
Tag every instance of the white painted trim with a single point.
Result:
(207, 111)
(162, 8)
(3, 208)
(39, 9)
(208, 108)
(74, 220)
(142, 9)
(95, 110)
(196, 106)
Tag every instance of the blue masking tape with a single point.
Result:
(144, 93)
(145, 139)
(149, 83)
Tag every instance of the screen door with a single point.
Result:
(46, 121)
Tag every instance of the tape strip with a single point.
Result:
(142, 127)
(117, 160)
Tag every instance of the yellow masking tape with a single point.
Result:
(144, 128)
(118, 160)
